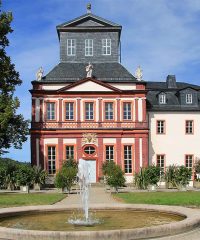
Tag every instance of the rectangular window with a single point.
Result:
(189, 126)
(106, 46)
(69, 152)
(109, 153)
(160, 127)
(71, 47)
(89, 47)
(189, 161)
(188, 98)
(89, 111)
(160, 162)
(69, 111)
(128, 159)
(51, 160)
(109, 112)
(162, 98)
(127, 111)
(50, 111)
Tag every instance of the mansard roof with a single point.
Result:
(174, 102)
(72, 72)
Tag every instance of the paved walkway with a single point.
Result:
(98, 195)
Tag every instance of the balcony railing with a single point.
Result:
(89, 125)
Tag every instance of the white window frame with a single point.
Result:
(188, 98)
(109, 151)
(128, 159)
(106, 46)
(189, 161)
(69, 111)
(51, 154)
(127, 111)
(71, 47)
(160, 162)
(69, 150)
(51, 110)
(162, 98)
(89, 113)
(109, 111)
(88, 47)
(160, 126)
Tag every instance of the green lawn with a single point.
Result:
(17, 199)
(189, 198)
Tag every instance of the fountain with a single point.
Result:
(120, 222)
(84, 184)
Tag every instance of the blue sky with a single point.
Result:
(160, 35)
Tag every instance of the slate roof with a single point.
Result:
(85, 17)
(173, 98)
(106, 72)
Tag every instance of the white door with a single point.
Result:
(92, 170)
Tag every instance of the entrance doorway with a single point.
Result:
(92, 170)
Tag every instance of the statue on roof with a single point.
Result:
(39, 74)
(89, 8)
(88, 69)
(138, 73)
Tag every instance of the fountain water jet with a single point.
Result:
(84, 184)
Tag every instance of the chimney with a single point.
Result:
(171, 81)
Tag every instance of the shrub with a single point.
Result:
(141, 179)
(183, 176)
(108, 167)
(153, 175)
(39, 175)
(66, 177)
(114, 175)
(171, 176)
(177, 176)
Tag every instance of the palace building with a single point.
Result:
(90, 106)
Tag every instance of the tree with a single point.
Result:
(13, 127)
(25, 176)
(65, 178)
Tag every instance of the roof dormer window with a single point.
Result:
(162, 98)
(188, 98)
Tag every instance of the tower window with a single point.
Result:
(106, 46)
(89, 47)
(71, 47)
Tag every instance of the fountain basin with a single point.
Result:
(191, 221)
